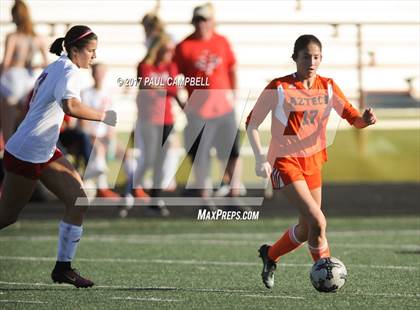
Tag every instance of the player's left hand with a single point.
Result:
(110, 118)
(369, 117)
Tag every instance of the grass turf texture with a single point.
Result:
(186, 264)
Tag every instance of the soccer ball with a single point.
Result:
(328, 274)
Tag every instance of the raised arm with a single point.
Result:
(348, 112)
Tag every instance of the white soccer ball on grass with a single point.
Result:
(328, 274)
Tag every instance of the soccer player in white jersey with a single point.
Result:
(31, 153)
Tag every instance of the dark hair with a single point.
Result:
(78, 36)
(303, 41)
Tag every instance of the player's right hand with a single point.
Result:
(263, 169)
(110, 118)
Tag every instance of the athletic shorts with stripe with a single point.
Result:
(286, 174)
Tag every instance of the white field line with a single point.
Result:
(191, 262)
(145, 299)
(22, 301)
(162, 288)
(393, 295)
(160, 239)
(274, 296)
(390, 295)
(157, 288)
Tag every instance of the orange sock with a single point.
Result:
(320, 252)
(287, 243)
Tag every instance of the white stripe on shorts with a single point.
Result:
(276, 179)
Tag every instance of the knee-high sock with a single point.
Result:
(68, 238)
(287, 243)
(319, 252)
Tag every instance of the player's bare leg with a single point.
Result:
(16, 193)
(9, 114)
(302, 229)
(301, 197)
(62, 179)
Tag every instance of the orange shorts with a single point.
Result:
(284, 174)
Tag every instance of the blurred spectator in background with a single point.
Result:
(155, 118)
(153, 27)
(74, 141)
(102, 137)
(155, 40)
(210, 112)
(17, 69)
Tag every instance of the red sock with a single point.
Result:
(287, 243)
(320, 252)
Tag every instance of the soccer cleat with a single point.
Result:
(139, 193)
(209, 205)
(269, 266)
(160, 208)
(107, 193)
(70, 276)
(237, 205)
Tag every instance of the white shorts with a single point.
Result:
(15, 84)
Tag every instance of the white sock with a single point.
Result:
(68, 238)
(102, 181)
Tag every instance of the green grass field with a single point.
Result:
(186, 264)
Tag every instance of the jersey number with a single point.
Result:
(38, 83)
(299, 118)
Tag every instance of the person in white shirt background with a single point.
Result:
(16, 71)
(102, 136)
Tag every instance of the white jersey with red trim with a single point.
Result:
(36, 138)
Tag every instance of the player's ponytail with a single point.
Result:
(57, 46)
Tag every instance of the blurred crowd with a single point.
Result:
(154, 148)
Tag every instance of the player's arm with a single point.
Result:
(75, 108)
(368, 118)
(348, 112)
(233, 80)
(231, 67)
(263, 106)
(44, 54)
(8, 52)
(262, 166)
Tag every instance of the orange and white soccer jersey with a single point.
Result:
(299, 118)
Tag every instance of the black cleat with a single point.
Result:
(70, 276)
(269, 266)
(159, 208)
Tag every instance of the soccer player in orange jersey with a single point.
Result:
(300, 105)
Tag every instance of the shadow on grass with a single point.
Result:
(408, 252)
(136, 289)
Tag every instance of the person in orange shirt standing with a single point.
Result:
(300, 105)
(208, 56)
